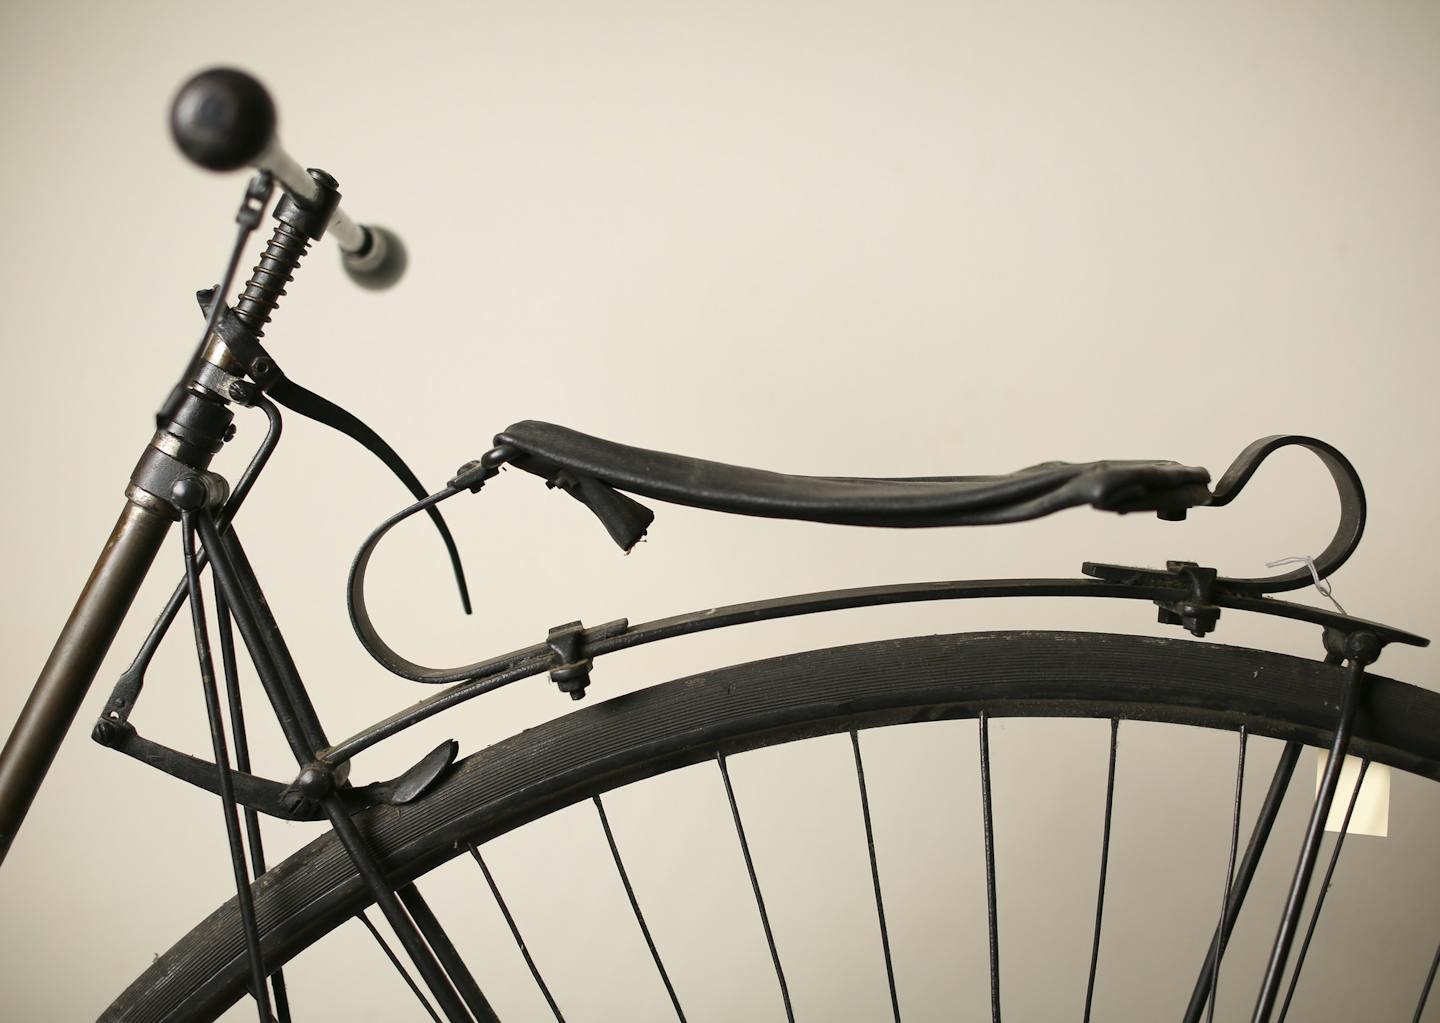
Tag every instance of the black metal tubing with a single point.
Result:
(1240, 887)
(1314, 832)
(1231, 594)
(420, 954)
(289, 674)
(222, 762)
(1323, 890)
(474, 680)
(445, 951)
(230, 668)
(1229, 867)
(127, 689)
(257, 627)
(76, 657)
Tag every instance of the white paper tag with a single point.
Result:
(1372, 807)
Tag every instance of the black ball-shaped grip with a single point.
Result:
(380, 263)
(222, 119)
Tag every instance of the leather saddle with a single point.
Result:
(596, 471)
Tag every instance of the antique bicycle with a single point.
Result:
(387, 835)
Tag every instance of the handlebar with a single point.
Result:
(224, 119)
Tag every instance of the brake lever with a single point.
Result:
(266, 373)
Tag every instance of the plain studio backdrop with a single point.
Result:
(845, 239)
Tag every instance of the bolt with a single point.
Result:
(1362, 647)
(188, 493)
(1199, 619)
(315, 783)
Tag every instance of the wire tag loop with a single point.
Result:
(1323, 585)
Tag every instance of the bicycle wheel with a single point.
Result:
(743, 707)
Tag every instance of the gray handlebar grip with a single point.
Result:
(224, 119)
(380, 262)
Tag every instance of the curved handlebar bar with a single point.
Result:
(224, 119)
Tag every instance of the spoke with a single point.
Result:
(242, 763)
(1324, 888)
(991, 916)
(1104, 864)
(755, 886)
(875, 875)
(279, 675)
(222, 765)
(399, 966)
(515, 933)
(1429, 982)
(444, 950)
(635, 906)
(1269, 810)
(405, 930)
(1315, 830)
(1229, 871)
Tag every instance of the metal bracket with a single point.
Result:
(569, 663)
(1360, 645)
(1194, 613)
(318, 781)
(569, 667)
(1193, 608)
(1200, 591)
(268, 797)
(298, 801)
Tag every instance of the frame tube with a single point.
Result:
(74, 661)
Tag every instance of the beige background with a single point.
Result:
(838, 239)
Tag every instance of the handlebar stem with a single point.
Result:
(297, 181)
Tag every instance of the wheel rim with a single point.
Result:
(764, 703)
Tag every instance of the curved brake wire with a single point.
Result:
(266, 372)
(307, 403)
(369, 636)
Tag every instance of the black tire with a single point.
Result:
(626, 739)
